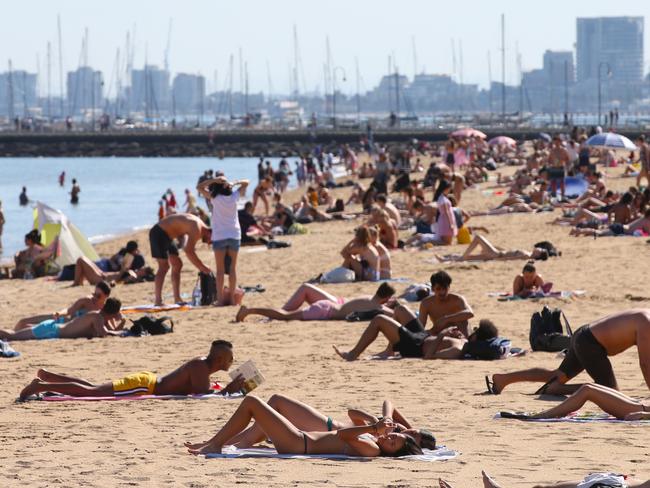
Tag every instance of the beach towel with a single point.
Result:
(229, 452)
(512, 353)
(6, 351)
(66, 398)
(583, 418)
(506, 297)
(151, 308)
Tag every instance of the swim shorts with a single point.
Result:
(414, 325)
(162, 245)
(48, 329)
(617, 229)
(410, 343)
(320, 310)
(143, 383)
(586, 353)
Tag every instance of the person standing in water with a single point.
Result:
(74, 193)
(62, 178)
(23, 199)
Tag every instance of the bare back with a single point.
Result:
(619, 331)
(192, 377)
(89, 325)
(177, 225)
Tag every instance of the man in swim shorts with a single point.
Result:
(165, 251)
(326, 307)
(443, 308)
(590, 348)
(191, 378)
(108, 321)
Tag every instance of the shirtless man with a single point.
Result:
(644, 160)
(443, 308)
(591, 346)
(425, 215)
(558, 159)
(93, 324)
(80, 307)
(165, 251)
(383, 203)
(322, 305)
(191, 378)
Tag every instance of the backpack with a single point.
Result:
(208, 285)
(495, 348)
(546, 331)
(150, 325)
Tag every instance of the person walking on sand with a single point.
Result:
(163, 248)
(226, 232)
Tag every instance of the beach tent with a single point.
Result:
(72, 243)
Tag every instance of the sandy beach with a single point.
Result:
(140, 443)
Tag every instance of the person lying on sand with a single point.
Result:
(91, 303)
(86, 270)
(192, 378)
(609, 400)
(448, 344)
(591, 346)
(486, 251)
(290, 439)
(107, 321)
(322, 305)
(514, 206)
(528, 282)
(306, 417)
(641, 225)
(490, 483)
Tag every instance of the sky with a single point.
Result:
(205, 33)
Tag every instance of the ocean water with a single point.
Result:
(117, 194)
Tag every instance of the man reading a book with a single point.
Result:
(192, 378)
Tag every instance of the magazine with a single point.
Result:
(252, 376)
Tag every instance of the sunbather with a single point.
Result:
(322, 305)
(528, 282)
(193, 377)
(86, 270)
(306, 417)
(108, 321)
(289, 439)
(361, 256)
(489, 252)
(80, 307)
(640, 225)
(490, 483)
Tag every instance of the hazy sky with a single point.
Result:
(206, 32)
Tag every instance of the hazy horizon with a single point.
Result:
(205, 34)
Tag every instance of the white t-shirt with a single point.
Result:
(225, 222)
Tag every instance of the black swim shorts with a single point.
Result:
(414, 325)
(586, 353)
(162, 245)
(617, 229)
(410, 343)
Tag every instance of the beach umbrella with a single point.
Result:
(611, 140)
(544, 136)
(502, 140)
(468, 132)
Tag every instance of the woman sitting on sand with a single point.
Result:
(528, 282)
(290, 439)
(489, 252)
(611, 401)
(361, 256)
(34, 259)
(388, 234)
(306, 417)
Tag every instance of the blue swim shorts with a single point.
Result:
(48, 329)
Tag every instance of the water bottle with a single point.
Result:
(196, 295)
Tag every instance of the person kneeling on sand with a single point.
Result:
(92, 324)
(323, 305)
(192, 378)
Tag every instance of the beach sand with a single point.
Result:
(130, 443)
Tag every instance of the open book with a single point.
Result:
(252, 376)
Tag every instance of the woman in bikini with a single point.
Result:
(489, 252)
(306, 417)
(611, 401)
(528, 282)
(290, 439)
(260, 192)
(361, 256)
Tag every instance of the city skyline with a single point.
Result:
(204, 36)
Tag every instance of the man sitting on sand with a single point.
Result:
(93, 324)
(443, 308)
(591, 346)
(322, 305)
(165, 251)
(192, 378)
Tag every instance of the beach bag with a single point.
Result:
(208, 284)
(338, 275)
(464, 236)
(150, 325)
(495, 348)
(546, 331)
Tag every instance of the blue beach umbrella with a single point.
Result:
(611, 140)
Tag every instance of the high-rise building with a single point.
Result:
(613, 41)
(188, 93)
(150, 91)
(17, 93)
(558, 67)
(84, 89)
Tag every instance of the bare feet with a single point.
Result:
(44, 374)
(206, 449)
(497, 384)
(343, 354)
(489, 482)
(242, 313)
(32, 389)
(443, 484)
(196, 445)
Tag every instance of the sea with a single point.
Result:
(118, 195)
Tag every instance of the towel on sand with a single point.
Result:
(583, 418)
(440, 454)
(66, 398)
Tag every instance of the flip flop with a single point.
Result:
(490, 386)
(514, 415)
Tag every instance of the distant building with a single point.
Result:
(188, 94)
(18, 87)
(558, 68)
(150, 91)
(84, 88)
(617, 41)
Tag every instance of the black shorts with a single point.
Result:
(414, 325)
(586, 353)
(617, 229)
(161, 244)
(410, 343)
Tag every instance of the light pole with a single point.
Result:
(609, 72)
(334, 92)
